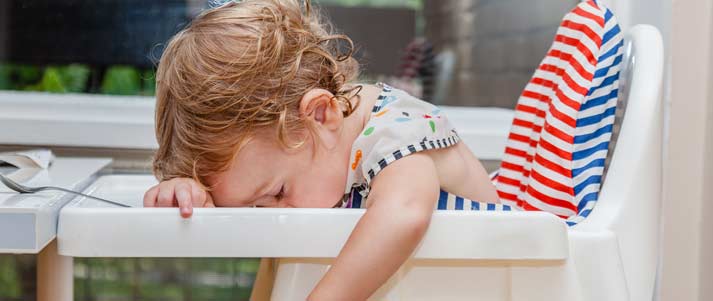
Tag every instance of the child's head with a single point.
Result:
(255, 84)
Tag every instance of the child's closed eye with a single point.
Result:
(280, 194)
(270, 200)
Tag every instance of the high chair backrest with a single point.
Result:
(555, 155)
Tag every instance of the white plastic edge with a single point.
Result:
(303, 233)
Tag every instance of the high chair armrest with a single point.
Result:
(315, 233)
(484, 130)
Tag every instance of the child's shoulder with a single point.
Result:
(399, 125)
(399, 116)
(393, 99)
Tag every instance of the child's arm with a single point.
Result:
(400, 206)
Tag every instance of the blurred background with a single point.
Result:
(452, 52)
(461, 52)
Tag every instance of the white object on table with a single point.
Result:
(34, 158)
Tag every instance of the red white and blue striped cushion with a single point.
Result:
(554, 158)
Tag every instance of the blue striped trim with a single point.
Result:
(595, 118)
(585, 212)
(594, 179)
(397, 155)
(604, 70)
(611, 33)
(598, 101)
(459, 203)
(442, 200)
(474, 205)
(579, 155)
(612, 51)
(594, 163)
(356, 200)
(589, 136)
(606, 82)
(590, 197)
(382, 163)
(412, 148)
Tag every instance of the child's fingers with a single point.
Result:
(184, 198)
(165, 195)
(209, 201)
(198, 195)
(150, 197)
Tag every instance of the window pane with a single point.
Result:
(496, 45)
(104, 46)
(474, 52)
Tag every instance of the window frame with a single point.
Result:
(77, 120)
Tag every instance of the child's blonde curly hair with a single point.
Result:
(237, 69)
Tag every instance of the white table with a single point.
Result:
(28, 222)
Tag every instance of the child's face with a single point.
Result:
(264, 174)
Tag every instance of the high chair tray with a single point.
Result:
(89, 228)
(28, 222)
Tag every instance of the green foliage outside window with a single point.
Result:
(76, 78)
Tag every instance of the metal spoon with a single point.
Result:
(25, 189)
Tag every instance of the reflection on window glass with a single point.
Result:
(112, 46)
(494, 45)
(105, 46)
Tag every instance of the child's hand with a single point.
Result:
(184, 193)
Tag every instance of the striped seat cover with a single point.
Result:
(555, 153)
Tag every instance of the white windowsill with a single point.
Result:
(81, 120)
(127, 122)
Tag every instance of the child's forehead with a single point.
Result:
(259, 156)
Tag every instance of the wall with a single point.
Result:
(687, 247)
(706, 273)
(684, 254)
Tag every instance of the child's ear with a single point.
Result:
(320, 107)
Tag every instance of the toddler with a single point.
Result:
(255, 106)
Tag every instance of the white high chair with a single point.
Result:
(610, 255)
(465, 255)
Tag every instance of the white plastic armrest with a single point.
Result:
(290, 233)
(484, 130)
